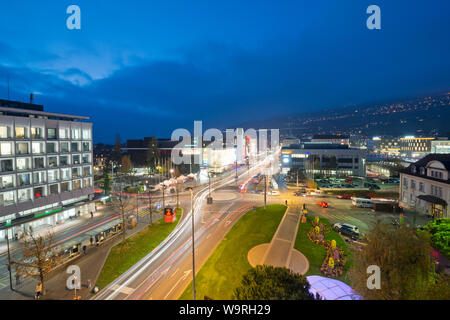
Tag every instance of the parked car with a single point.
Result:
(344, 196)
(348, 230)
(274, 193)
(323, 204)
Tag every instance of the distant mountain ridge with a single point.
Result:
(428, 116)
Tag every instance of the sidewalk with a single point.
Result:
(42, 230)
(280, 252)
(90, 266)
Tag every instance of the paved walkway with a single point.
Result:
(280, 252)
(90, 266)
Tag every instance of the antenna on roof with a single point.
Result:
(8, 86)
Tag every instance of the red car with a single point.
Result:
(323, 204)
(344, 196)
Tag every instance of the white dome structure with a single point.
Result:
(331, 289)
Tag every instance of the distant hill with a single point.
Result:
(429, 116)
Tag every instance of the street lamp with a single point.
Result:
(193, 238)
(150, 203)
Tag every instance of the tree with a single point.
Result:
(439, 232)
(126, 166)
(405, 262)
(273, 283)
(122, 204)
(152, 153)
(39, 257)
(116, 155)
(106, 179)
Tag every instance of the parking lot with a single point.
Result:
(358, 183)
(342, 211)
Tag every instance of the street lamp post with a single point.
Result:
(150, 204)
(193, 239)
(176, 188)
(137, 204)
(163, 189)
(209, 184)
(265, 191)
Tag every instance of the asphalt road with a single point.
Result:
(166, 271)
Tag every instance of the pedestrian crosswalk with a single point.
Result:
(4, 281)
(144, 212)
(339, 217)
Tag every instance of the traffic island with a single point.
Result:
(280, 251)
(223, 270)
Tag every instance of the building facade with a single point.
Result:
(324, 158)
(407, 146)
(331, 138)
(425, 186)
(440, 146)
(46, 173)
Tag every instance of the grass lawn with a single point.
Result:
(223, 271)
(124, 255)
(316, 253)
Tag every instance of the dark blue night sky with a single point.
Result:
(142, 68)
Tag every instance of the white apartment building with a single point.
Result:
(46, 173)
(425, 186)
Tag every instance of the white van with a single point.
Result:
(362, 203)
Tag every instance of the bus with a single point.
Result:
(362, 203)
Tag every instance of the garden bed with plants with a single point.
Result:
(319, 247)
(335, 258)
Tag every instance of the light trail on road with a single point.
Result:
(169, 246)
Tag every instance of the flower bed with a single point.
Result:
(335, 259)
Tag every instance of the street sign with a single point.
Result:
(158, 206)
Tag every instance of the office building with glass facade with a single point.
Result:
(46, 173)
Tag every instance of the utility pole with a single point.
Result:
(176, 188)
(137, 204)
(193, 239)
(236, 176)
(163, 187)
(209, 199)
(297, 178)
(265, 192)
(150, 205)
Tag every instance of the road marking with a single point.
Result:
(173, 273)
(186, 273)
(126, 290)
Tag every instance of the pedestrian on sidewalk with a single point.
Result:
(92, 215)
(84, 249)
(38, 290)
(92, 240)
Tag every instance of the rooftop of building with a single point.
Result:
(316, 145)
(442, 158)
(329, 136)
(23, 109)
